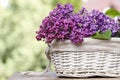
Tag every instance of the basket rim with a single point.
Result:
(85, 39)
(89, 44)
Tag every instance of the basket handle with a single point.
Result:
(47, 52)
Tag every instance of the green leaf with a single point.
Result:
(104, 36)
(112, 12)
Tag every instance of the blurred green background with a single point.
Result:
(19, 19)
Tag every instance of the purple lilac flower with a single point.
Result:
(58, 25)
(104, 22)
(94, 21)
(63, 24)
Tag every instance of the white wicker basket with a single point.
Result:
(93, 57)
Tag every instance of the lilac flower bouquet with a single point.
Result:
(63, 24)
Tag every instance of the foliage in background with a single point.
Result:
(18, 45)
(19, 50)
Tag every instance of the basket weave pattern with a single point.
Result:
(87, 59)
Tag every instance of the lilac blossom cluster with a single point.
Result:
(63, 24)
